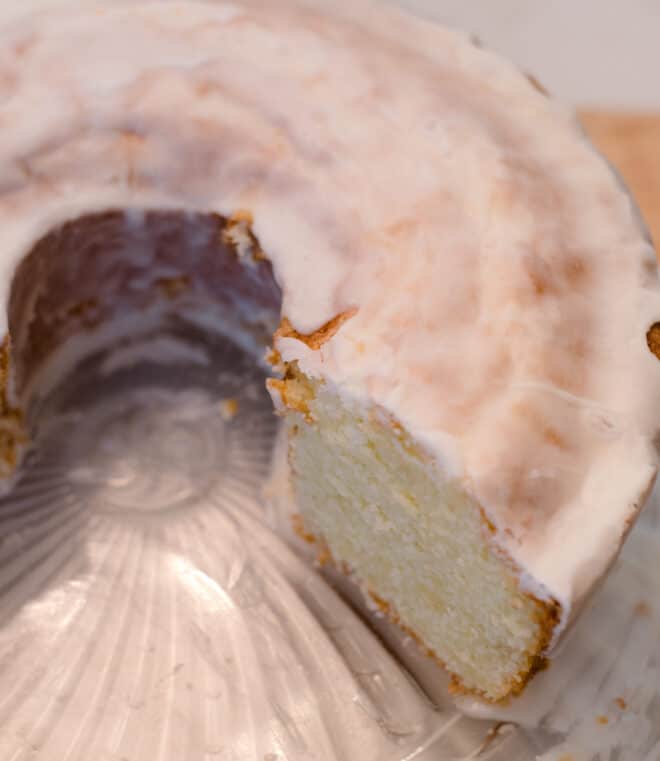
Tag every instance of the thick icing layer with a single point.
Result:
(502, 284)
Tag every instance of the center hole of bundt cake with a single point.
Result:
(137, 355)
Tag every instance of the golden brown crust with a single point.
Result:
(12, 427)
(293, 394)
(537, 85)
(299, 529)
(323, 554)
(316, 339)
(653, 339)
(547, 614)
(274, 359)
(239, 224)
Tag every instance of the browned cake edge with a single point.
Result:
(547, 615)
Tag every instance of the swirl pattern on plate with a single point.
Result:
(149, 610)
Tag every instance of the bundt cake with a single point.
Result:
(460, 301)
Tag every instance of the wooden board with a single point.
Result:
(632, 143)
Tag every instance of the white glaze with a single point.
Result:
(503, 286)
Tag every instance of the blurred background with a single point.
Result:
(591, 52)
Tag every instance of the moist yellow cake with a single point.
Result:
(458, 294)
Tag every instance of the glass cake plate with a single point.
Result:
(154, 605)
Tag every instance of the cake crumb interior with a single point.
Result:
(412, 539)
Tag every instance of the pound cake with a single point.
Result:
(460, 299)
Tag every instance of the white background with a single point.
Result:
(590, 52)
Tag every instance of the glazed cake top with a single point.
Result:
(499, 282)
